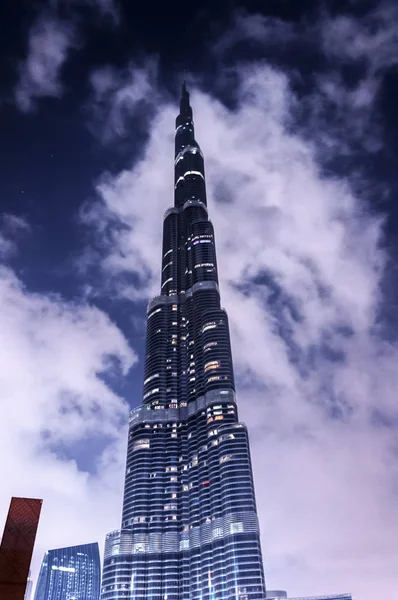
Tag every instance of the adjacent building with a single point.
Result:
(17, 546)
(71, 573)
(280, 595)
(189, 527)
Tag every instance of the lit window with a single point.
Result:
(213, 364)
(209, 346)
(225, 458)
(141, 444)
(154, 391)
(167, 281)
(148, 379)
(167, 265)
(209, 325)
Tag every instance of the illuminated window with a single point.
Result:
(225, 458)
(167, 281)
(148, 379)
(209, 325)
(167, 265)
(141, 444)
(209, 346)
(154, 391)
(213, 364)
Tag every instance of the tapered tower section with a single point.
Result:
(189, 524)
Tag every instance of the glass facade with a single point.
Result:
(17, 546)
(70, 574)
(189, 526)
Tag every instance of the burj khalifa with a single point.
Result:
(189, 527)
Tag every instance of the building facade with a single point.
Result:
(71, 573)
(17, 546)
(189, 525)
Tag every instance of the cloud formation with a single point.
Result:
(118, 95)
(56, 358)
(11, 229)
(50, 40)
(301, 265)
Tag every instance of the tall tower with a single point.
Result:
(189, 525)
(17, 546)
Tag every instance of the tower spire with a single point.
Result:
(185, 107)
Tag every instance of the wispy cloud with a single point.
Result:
(301, 265)
(12, 228)
(119, 94)
(50, 40)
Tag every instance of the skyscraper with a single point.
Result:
(189, 525)
(71, 573)
(17, 546)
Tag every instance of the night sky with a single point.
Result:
(294, 104)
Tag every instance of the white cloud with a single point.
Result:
(372, 38)
(50, 40)
(11, 228)
(117, 94)
(53, 357)
(341, 59)
(316, 382)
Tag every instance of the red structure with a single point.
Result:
(17, 546)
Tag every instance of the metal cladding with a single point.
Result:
(189, 525)
(71, 573)
(17, 546)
